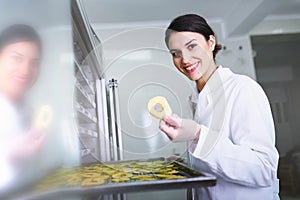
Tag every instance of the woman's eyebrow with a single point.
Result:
(173, 50)
(190, 42)
(184, 45)
(19, 54)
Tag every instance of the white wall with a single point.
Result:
(237, 56)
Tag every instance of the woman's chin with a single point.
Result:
(194, 77)
(20, 91)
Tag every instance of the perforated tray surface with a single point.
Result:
(119, 177)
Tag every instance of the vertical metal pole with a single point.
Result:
(106, 127)
(102, 120)
(118, 120)
(113, 131)
(116, 132)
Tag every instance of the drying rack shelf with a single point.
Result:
(84, 115)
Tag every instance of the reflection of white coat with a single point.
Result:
(11, 127)
(237, 139)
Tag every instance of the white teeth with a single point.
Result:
(191, 67)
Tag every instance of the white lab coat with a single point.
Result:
(13, 123)
(10, 128)
(237, 139)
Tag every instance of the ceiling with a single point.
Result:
(107, 11)
(238, 16)
(288, 7)
(45, 13)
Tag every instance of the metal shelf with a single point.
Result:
(87, 133)
(87, 88)
(84, 115)
(89, 125)
(87, 63)
(83, 97)
(86, 152)
(84, 78)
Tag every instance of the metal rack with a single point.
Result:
(87, 63)
(86, 115)
(96, 102)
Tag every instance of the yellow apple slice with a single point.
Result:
(44, 117)
(158, 107)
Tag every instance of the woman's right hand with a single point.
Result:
(179, 130)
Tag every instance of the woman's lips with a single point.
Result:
(22, 80)
(191, 68)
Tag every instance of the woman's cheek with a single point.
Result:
(176, 63)
(34, 76)
(199, 52)
(179, 68)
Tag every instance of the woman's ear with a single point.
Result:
(212, 42)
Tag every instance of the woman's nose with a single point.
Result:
(27, 69)
(185, 58)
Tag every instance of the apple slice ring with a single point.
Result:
(159, 107)
(44, 117)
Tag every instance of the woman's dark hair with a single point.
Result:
(191, 23)
(19, 33)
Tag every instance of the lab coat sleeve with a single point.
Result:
(248, 156)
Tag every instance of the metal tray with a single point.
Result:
(194, 179)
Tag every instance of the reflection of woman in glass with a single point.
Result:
(232, 134)
(20, 53)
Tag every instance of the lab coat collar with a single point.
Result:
(213, 84)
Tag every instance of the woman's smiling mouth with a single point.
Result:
(22, 79)
(191, 68)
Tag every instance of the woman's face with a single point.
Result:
(19, 68)
(192, 54)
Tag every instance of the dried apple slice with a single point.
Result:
(44, 117)
(158, 107)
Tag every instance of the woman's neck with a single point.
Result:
(15, 100)
(203, 80)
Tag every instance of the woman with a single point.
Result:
(232, 135)
(20, 53)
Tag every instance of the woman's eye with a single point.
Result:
(191, 46)
(17, 59)
(176, 53)
(35, 63)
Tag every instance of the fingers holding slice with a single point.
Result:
(173, 120)
(170, 131)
